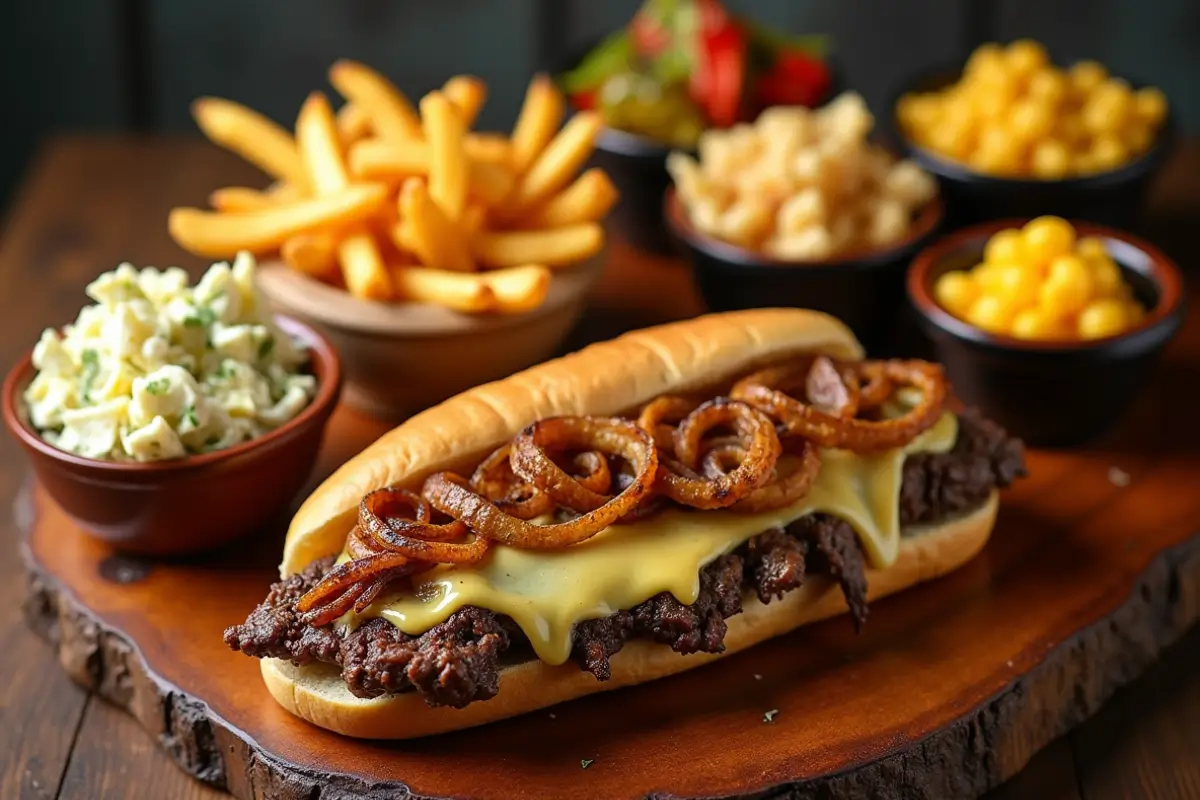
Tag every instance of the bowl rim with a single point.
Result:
(928, 220)
(1164, 272)
(301, 296)
(321, 351)
(953, 170)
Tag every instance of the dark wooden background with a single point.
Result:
(120, 65)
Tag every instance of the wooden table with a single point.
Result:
(90, 203)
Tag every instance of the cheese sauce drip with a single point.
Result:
(547, 592)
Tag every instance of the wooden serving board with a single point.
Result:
(949, 691)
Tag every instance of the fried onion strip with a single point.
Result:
(418, 539)
(802, 419)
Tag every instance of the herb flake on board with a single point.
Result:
(769, 716)
(584, 763)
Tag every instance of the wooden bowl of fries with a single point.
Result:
(421, 247)
(399, 359)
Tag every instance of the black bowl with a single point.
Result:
(863, 289)
(1050, 394)
(637, 166)
(1113, 198)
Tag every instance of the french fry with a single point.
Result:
(556, 247)
(425, 230)
(217, 235)
(559, 162)
(251, 135)
(489, 148)
(378, 161)
(587, 199)
(540, 116)
(471, 222)
(469, 94)
(444, 132)
(236, 199)
(460, 291)
(518, 289)
(353, 124)
(313, 253)
(391, 114)
(321, 151)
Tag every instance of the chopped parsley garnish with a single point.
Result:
(202, 318)
(224, 371)
(212, 440)
(189, 415)
(265, 348)
(158, 386)
(91, 368)
(584, 763)
(770, 715)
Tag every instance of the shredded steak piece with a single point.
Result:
(838, 554)
(458, 662)
(941, 485)
(594, 640)
(700, 627)
(274, 629)
(774, 563)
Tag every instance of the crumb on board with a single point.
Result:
(584, 763)
(1119, 477)
(757, 677)
(769, 716)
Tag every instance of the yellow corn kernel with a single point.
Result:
(991, 313)
(956, 292)
(1003, 247)
(1105, 317)
(1046, 238)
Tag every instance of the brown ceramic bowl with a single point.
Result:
(864, 289)
(191, 504)
(400, 359)
(1050, 393)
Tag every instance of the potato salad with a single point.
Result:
(158, 369)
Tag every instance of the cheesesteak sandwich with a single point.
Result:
(630, 511)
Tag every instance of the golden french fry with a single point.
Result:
(518, 289)
(559, 162)
(313, 253)
(320, 146)
(556, 247)
(251, 135)
(444, 132)
(489, 148)
(587, 199)
(321, 150)
(460, 291)
(363, 268)
(218, 235)
(236, 199)
(376, 160)
(390, 112)
(426, 231)
(540, 116)
(469, 94)
(353, 124)
(471, 222)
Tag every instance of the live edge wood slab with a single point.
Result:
(1093, 569)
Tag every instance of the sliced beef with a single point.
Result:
(699, 627)
(774, 563)
(274, 628)
(837, 553)
(937, 486)
(594, 640)
(452, 664)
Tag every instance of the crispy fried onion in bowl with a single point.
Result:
(562, 480)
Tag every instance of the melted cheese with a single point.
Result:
(547, 593)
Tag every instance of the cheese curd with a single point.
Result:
(157, 369)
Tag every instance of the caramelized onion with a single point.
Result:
(660, 416)
(802, 419)
(451, 495)
(417, 539)
(707, 492)
(495, 480)
(338, 591)
(531, 461)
